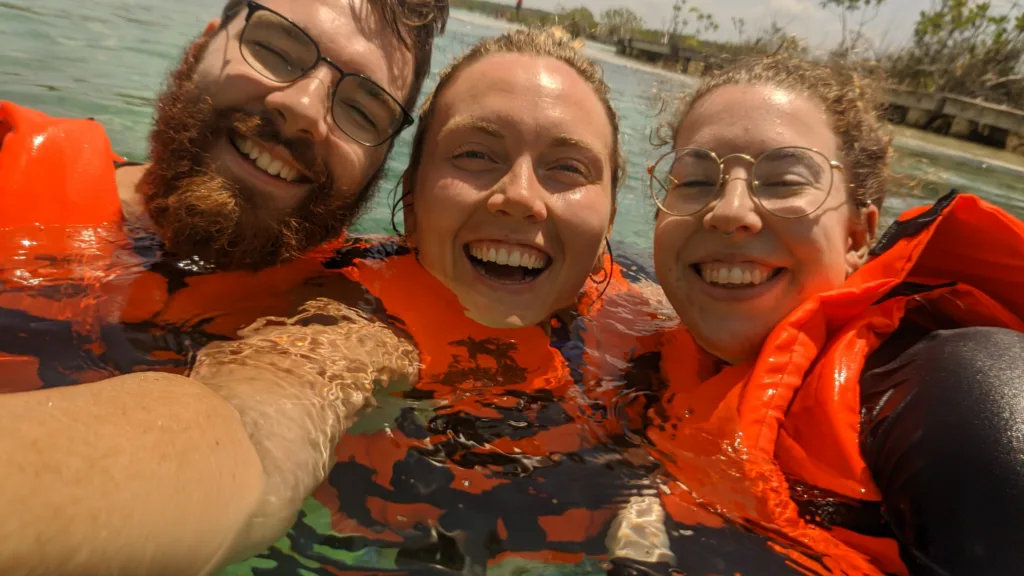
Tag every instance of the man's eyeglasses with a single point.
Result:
(789, 182)
(281, 51)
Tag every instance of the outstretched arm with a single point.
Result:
(160, 474)
(140, 474)
(298, 384)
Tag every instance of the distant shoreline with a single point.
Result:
(596, 49)
(978, 155)
(910, 139)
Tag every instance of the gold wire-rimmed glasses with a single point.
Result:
(788, 182)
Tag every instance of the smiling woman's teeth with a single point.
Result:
(508, 256)
(265, 161)
(513, 264)
(738, 274)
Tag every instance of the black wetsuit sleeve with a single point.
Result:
(943, 436)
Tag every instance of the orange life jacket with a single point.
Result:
(80, 299)
(787, 424)
(478, 444)
(70, 320)
(55, 171)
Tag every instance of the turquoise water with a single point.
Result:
(108, 58)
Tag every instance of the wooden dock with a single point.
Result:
(947, 114)
(958, 117)
(686, 60)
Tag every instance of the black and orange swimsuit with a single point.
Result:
(481, 463)
(499, 458)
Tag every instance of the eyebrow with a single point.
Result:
(352, 66)
(796, 154)
(494, 130)
(566, 141)
(299, 34)
(489, 128)
(376, 92)
(373, 89)
(292, 30)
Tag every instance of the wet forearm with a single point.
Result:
(142, 474)
(293, 432)
(297, 386)
(160, 474)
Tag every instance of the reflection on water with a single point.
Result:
(63, 297)
(927, 171)
(504, 459)
(81, 304)
(457, 481)
(524, 470)
(107, 59)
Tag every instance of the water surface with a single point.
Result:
(108, 58)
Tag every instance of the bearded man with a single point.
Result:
(269, 140)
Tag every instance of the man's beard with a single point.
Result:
(224, 224)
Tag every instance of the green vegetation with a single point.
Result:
(619, 23)
(853, 16)
(963, 47)
(687, 26)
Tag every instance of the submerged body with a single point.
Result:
(87, 296)
(498, 455)
(833, 368)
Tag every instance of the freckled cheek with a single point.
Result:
(441, 213)
(581, 230)
(669, 238)
(446, 200)
(820, 257)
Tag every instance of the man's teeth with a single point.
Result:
(509, 256)
(740, 273)
(265, 161)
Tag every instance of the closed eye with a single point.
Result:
(271, 50)
(788, 181)
(362, 116)
(472, 155)
(572, 167)
(696, 183)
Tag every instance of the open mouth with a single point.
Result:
(735, 275)
(507, 263)
(264, 159)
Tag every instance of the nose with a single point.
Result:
(301, 109)
(519, 194)
(735, 210)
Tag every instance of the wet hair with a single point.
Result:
(851, 100)
(537, 42)
(414, 22)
